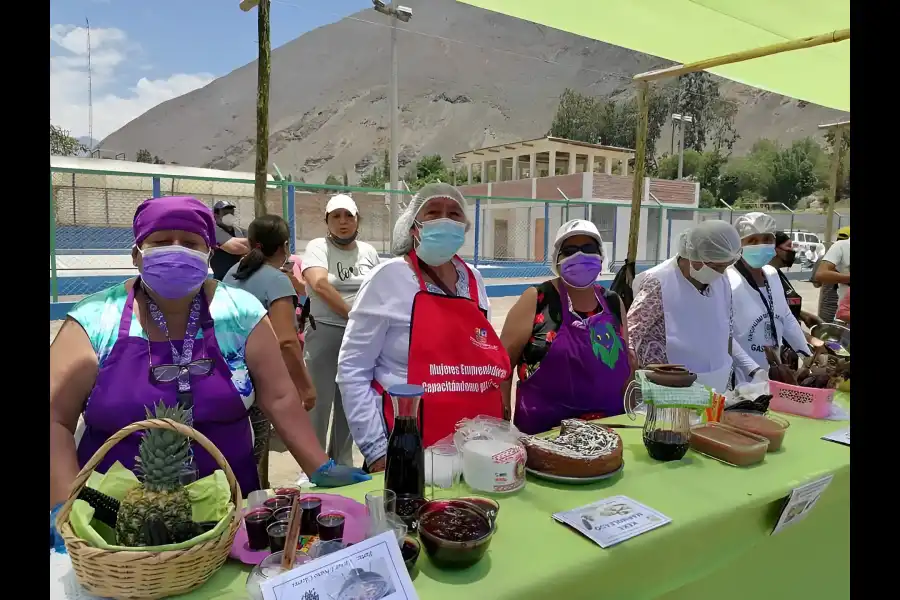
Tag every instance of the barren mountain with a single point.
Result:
(468, 78)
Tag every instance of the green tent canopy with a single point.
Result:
(686, 31)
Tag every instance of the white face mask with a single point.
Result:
(228, 220)
(704, 275)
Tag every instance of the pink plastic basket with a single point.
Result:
(798, 400)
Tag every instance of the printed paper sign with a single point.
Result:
(841, 436)
(801, 502)
(372, 569)
(613, 520)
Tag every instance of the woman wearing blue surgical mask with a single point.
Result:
(762, 316)
(421, 318)
(682, 309)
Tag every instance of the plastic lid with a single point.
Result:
(406, 390)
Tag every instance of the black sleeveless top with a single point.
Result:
(794, 300)
(547, 319)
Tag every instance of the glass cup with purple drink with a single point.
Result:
(331, 525)
(256, 520)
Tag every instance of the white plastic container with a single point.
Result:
(494, 466)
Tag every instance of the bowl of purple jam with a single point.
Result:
(454, 534)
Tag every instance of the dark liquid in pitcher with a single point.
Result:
(666, 444)
(404, 472)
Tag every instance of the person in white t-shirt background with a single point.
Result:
(835, 267)
(333, 270)
(761, 314)
(422, 318)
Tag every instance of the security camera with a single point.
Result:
(404, 13)
(378, 3)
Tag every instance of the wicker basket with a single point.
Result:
(139, 575)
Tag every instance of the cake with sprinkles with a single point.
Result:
(581, 449)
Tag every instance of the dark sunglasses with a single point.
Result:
(570, 250)
(167, 373)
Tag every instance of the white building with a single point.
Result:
(519, 212)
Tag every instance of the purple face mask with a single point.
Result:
(580, 270)
(174, 271)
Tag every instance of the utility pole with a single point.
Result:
(404, 14)
(264, 72)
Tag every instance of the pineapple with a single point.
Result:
(160, 497)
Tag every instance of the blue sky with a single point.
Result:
(144, 52)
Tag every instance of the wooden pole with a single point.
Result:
(735, 57)
(640, 154)
(836, 153)
(264, 71)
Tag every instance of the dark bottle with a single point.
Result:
(404, 472)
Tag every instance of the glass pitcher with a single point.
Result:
(667, 430)
(404, 472)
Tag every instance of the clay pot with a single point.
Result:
(670, 375)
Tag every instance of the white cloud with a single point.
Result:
(110, 48)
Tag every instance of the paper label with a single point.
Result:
(801, 502)
(612, 520)
(377, 572)
(841, 436)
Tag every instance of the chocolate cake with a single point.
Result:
(581, 449)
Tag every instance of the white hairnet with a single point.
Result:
(403, 241)
(711, 241)
(755, 222)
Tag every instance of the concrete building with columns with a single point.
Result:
(523, 191)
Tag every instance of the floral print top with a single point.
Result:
(547, 319)
(647, 324)
(234, 312)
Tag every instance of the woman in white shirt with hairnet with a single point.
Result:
(761, 313)
(421, 318)
(681, 312)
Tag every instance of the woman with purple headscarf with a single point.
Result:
(173, 334)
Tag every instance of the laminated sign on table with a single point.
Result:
(370, 569)
(841, 436)
(612, 520)
(801, 502)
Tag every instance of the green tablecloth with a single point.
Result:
(717, 546)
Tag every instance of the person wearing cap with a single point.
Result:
(231, 240)
(682, 311)
(172, 335)
(334, 267)
(568, 339)
(421, 318)
(762, 317)
(784, 258)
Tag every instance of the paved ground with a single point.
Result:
(283, 468)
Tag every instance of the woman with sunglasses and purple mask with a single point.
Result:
(173, 334)
(568, 339)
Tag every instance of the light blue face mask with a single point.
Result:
(759, 255)
(439, 240)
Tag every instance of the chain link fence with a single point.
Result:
(509, 238)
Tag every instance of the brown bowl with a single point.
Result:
(670, 375)
(442, 535)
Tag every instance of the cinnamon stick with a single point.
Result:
(293, 535)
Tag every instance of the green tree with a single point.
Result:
(144, 156)
(667, 168)
(63, 144)
(713, 115)
(707, 199)
(332, 180)
(158, 161)
(794, 172)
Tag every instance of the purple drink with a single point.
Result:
(312, 508)
(277, 502)
(256, 521)
(331, 526)
(277, 533)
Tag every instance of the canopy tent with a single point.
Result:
(686, 31)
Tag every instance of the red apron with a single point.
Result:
(455, 354)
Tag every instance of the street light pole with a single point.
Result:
(404, 14)
(682, 119)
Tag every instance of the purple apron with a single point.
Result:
(583, 373)
(124, 388)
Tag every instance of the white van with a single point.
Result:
(803, 241)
